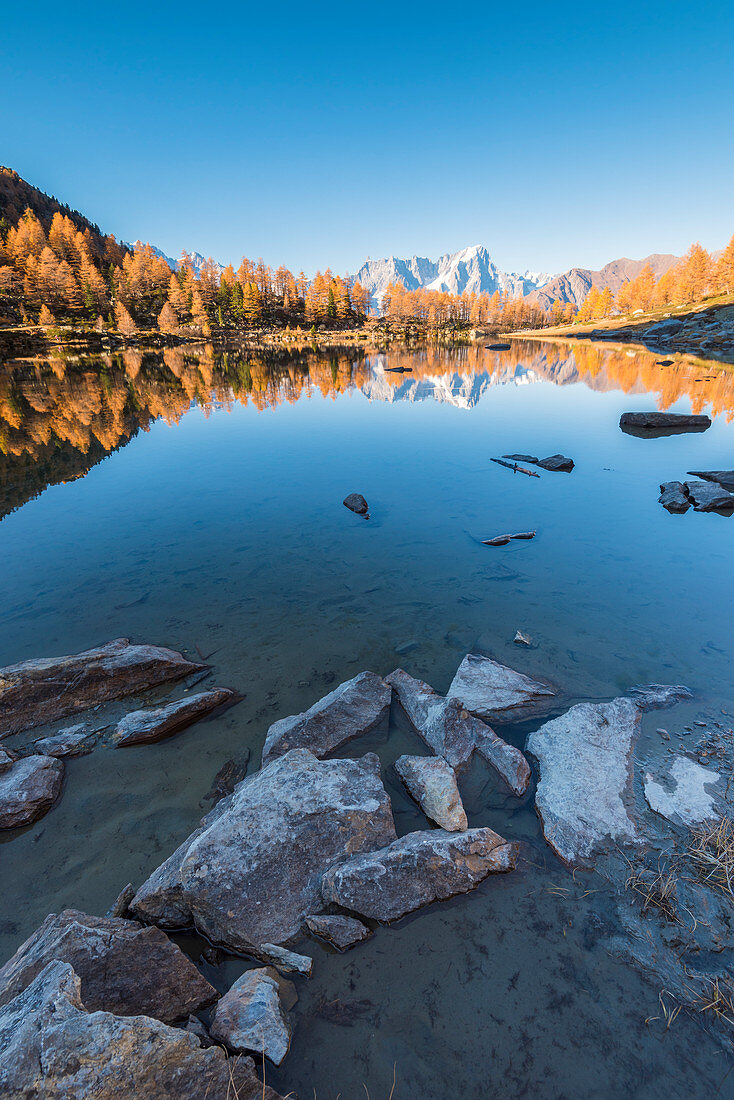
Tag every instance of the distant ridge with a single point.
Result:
(195, 258)
(574, 285)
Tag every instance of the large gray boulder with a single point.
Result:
(584, 792)
(674, 497)
(28, 790)
(123, 967)
(432, 783)
(49, 688)
(707, 496)
(724, 478)
(354, 708)
(249, 1018)
(450, 731)
(499, 694)
(141, 727)
(416, 870)
(252, 873)
(684, 796)
(52, 1048)
(659, 423)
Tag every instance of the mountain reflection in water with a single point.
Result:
(60, 416)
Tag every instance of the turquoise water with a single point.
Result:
(222, 532)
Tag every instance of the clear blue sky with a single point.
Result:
(315, 134)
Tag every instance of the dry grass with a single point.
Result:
(656, 888)
(712, 854)
(715, 996)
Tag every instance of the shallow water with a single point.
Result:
(219, 529)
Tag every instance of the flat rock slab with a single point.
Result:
(499, 694)
(585, 759)
(340, 932)
(47, 689)
(432, 783)
(287, 962)
(51, 1047)
(416, 870)
(707, 496)
(249, 1018)
(660, 696)
(123, 967)
(352, 709)
(554, 463)
(450, 731)
(674, 497)
(650, 424)
(141, 727)
(74, 741)
(685, 797)
(252, 873)
(28, 790)
(724, 478)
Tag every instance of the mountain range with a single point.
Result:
(195, 258)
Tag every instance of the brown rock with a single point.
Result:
(142, 727)
(340, 932)
(29, 789)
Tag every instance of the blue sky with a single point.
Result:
(555, 134)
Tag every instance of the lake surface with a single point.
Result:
(194, 499)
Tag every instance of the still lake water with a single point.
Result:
(219, 529)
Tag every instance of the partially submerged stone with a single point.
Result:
(674, 497)
(658, 423)
(724, 478)
(502, 540)
(557, 463)
(74, 741)
(49, 688)
(28, 790)
(249, 1018)
(287, 962)
(340, 932)
(252, 872)
(707, 496)
(687, 801)
(585, 759)
(660, 696)
(351, 710)
(355, 502)
(121, 904)
(416, 870)
(432, 783)
(499, 694)
(52, 1047)
(141, 727)
(123, 967)
(522, 639)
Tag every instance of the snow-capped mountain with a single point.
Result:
(471, 270)
(195, 258)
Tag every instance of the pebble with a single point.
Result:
(664, 734)
(701, 724)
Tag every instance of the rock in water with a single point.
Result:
(724, 478)
(123, 967)
(498, 347)
(355, 502)
(51, 1047)
(522, 639)
(74, 741)
(585, 783)
(28, 790)
(354, 708)
(340, 932)
(707, 496)
(557, 464)
(497, 693)
(674, 497)
(452, 732)
(415, 870)
(651, 424)
(49, 688)
(249, 1018)
(251, 874)
(287, 962)
(688, 801)
(432, 784)
(141, 727)
(660, 696)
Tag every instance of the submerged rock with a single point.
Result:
(52, 1047)
(707, 496)
(74, 741)
(355, 502)
(252, 872)
(416, 870)
(652, 424)
(432, 783)
(674, 497)
(287, 962)
(28, 790)
(352, 709)
(123, 967)
(585, 783)
(660, 696)
(49, 688)
(724, 478)
(340, 932)
(249, 1018)
(141, 727)
(497, 693)
(450, 731)
(688, 800)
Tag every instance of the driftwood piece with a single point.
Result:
(514, 466)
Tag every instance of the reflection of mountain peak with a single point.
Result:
(462, 389)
